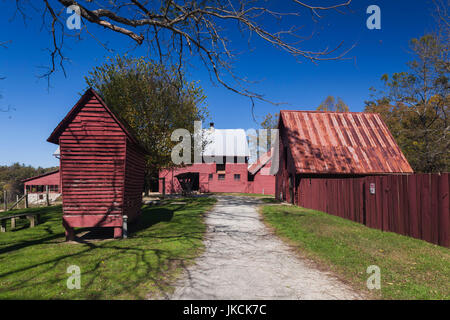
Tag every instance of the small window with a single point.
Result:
(210, 177)
(237, 177)
(221, 177)
(220, 167)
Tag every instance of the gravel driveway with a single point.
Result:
(243, 260)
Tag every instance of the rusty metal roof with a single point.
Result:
(265, 160)
(341, 143)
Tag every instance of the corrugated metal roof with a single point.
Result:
(41, 176)
(342, 143)
(264, 162)
(225, 142)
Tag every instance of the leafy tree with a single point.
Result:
(415, 105)
(332, 104)
(153, 100)
(270, 121)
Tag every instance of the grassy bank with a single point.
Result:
(34, 261)
(410, 268)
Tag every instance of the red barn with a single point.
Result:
(227, 173)
(261, 180)
(101, 167)
(36, 187)
(333, 145)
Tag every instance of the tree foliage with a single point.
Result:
(270, 121)
(152, 99)
(415, 105)
(333, 104)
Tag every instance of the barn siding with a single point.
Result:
(92, 162)
(49, 179)
(101, 167)
(286, 169)
(263, 184)
(134, 181)
(414, 205)
(205, 185)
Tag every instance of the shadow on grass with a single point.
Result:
(154, 248)
(148, 218)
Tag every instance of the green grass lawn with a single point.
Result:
(34, 261)
(410, 268)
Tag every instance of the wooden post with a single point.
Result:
(47, 199)
(5, 204)
(13, 223)
(26, 199)
(125, 227)
(32, 219)
(164, 188)
(3, 226)
(69, 231)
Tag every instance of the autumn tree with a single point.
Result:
(153, 100)
(415, 105)
(333, 104)
(270, 121)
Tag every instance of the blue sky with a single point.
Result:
(36, 110)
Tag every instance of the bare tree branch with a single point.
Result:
(176, 31)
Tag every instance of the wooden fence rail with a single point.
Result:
(414, 205)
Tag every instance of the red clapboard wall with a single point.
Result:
(101, 167)
(415, 205)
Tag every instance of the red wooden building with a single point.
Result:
(316, 144)
(36, 187)
(231, 173)
(225, 172)
(101, 167)
(50, 180)
(261, 180)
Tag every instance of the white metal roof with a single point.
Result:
(225, 142)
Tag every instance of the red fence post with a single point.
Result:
(444, 210)
(413, 197)
(425, 207)
(434, 208)
(416, 205)
(404, 204)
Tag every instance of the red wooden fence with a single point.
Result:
(413, 205)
